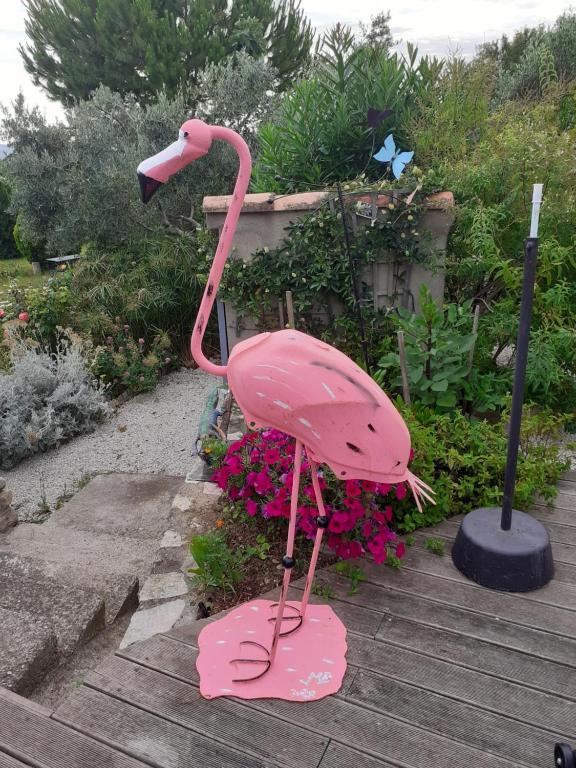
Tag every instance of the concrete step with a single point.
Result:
(28, 649)
(95, 553)
(119, 591)
(132, 506)
(74, 613)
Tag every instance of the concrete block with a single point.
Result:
(28, 649)
(152, 621)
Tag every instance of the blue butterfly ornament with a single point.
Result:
(389, 154)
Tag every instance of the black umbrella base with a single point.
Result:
(518, 560)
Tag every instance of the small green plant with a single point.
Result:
(351, 572)
(259, 549)
(410, 540)
(436, 546)
(394, 562)
(216, 565)
(213, 451)
(322, 590)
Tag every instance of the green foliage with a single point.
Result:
(259, 549)
(313, 264)
(353, 573)
(464, 460)
(8, 249)
(143, 47)
(493, 186)
(126, 364)
(49, 307)
(320, 133)
(216, 565)
(436, 546)
(91, 158)
(438, 343)
(213, 450)
(152, 286)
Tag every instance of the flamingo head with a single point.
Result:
(194, 141)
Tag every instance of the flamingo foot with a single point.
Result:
(267, 662)
(296, 617)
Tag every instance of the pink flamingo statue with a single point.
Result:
(336, 413)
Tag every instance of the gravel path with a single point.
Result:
(153, 432)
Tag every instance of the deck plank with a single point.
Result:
(460, 621)
(338, 756)
(525, 744)
(225, 720)
(40, 741)
(376, 734)
(10, 762)
(561, 591)
(558, 515)
(476, 688)
(517, 608)
(559, 534)
(146, 736)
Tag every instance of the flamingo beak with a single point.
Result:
(158, 169)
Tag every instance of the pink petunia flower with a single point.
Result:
(400, 491)
(251, 507)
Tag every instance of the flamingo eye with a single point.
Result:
(371, 428)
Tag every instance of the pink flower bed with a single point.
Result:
(257, 473)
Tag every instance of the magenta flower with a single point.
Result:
(271, 456)
(251, 507)
(353, 488)
(400, 491)
(262, 483)
(400, 549)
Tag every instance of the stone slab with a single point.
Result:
(137, 506)
(95, 553)
(161, 586)
(171, 539)
(76, 613)
(152, 621)
(28, 649)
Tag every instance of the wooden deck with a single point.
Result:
(442, 673)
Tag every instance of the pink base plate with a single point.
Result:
(309, 664)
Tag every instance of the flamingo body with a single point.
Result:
(312, 391)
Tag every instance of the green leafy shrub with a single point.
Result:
(155, 286)
(127, 364)
(216, 565)
(437, 347)
(46, 399)
(464, 461)
(320, 133)
(313, 264)
(49, 308)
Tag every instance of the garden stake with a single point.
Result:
(506, 549)
(337, 414)
(361, 328)
(403, 367)
(281, 314)
(290, 310)
(475, 321)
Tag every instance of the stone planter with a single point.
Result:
(264, 219)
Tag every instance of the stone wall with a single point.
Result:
(265, 217)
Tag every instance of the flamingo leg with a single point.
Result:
(288, 559)
(322, 522)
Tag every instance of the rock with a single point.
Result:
(153, 621)
(8, 519)
(161, 586)
(6, 498)
(171, 539)
(28, 648)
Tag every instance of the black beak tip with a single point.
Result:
(147, 186)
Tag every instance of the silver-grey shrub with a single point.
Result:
(46, 399)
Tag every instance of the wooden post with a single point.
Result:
(403, 368)
(281, 313)
(475, 331)
(290, 309)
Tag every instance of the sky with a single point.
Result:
(436, 26)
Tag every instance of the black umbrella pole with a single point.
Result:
(530, 260)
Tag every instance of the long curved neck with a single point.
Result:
(223, 249)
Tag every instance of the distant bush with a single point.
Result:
(46, 399)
